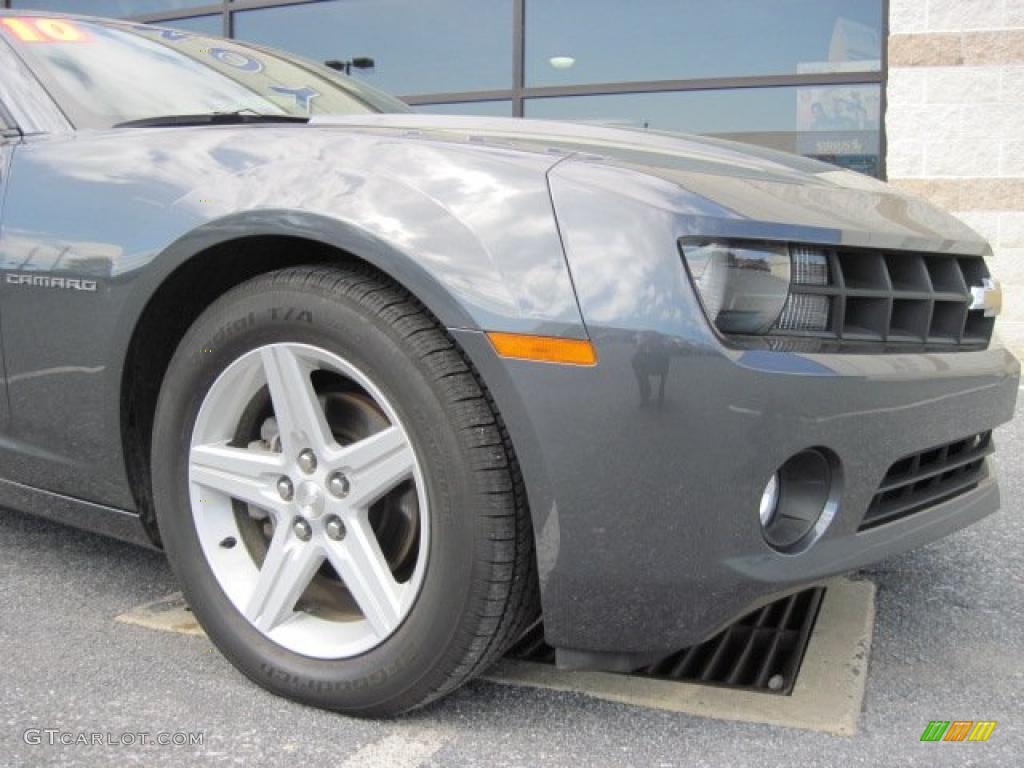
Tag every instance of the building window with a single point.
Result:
(417, 47)
(838, 124)
(485, 108)
(573, 42)
(201, 25)
(109, 8)
(803, 76)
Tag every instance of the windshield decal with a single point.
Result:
(29, 29)
(303, 96)
(236, 59)
(174, 35)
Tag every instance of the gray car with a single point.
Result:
(388, 387)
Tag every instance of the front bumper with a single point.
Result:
(645, 507)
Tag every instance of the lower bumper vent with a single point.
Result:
(925, 479)
(761, 652)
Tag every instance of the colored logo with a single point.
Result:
(958, 730)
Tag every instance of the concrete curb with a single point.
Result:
(827, 697)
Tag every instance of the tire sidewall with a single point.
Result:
(406, 664)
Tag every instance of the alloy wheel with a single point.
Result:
(308, 500)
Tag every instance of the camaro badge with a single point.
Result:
(45, 281)
(987, 296)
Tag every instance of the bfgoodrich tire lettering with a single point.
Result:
(478, 585)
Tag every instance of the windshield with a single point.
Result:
(102, 74)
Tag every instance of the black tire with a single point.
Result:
(480, 582)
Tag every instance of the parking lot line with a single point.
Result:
(403, 749)
(168, 614)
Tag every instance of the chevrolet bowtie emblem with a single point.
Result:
(987, 296)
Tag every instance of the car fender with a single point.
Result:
(469, 230)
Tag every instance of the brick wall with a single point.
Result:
(955, 124)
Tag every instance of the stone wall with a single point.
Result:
(955, 124)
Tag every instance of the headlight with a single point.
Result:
(744, 286)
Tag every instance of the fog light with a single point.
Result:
(801, 500)
(769, 501)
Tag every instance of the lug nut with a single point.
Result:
(335, 528)
(338, 485)
(302, 529)
(307, 461)
(285, 488)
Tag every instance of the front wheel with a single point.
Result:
(336, 493)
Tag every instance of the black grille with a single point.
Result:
(893, 299)
(762, 651)
(924, 479)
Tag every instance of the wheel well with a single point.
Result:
(179, 300)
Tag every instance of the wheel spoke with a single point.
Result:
(375, 465)
(359, 562)
(242, 474)
(299, 415)
(287, 570)
(318, 494)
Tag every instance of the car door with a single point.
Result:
(65, 276)
(9, 135)
(36, 355)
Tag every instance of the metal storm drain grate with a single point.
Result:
(761, 652)
(768, 644)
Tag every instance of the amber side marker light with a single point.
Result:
(544, 349)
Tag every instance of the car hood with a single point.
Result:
(741, 181)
